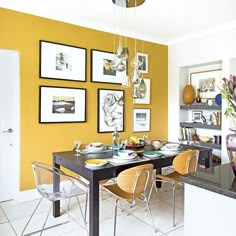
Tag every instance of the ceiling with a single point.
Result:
(165, 22)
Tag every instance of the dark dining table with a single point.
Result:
(67, 159)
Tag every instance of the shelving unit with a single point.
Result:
(197, 125)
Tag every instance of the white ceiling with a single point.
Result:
(166, 22)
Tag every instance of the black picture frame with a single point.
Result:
(62, 61)
(101, 71)
(110, 110)
(62, 104)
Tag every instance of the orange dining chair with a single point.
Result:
(131, 184)
(183, 163)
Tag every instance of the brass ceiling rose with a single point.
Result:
(128, 3)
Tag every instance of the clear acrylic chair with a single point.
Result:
(183, 163)
(69, 187)
(131, 184)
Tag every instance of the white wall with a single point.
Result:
(219, 46)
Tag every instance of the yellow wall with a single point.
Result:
(22, 32)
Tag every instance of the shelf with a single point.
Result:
(210, 145)
(200, 125)
(200, 107)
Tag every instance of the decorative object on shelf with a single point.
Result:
(218, 100)
(110, 110)
(198, 97)
(61, 61)
(204, 101)
(188, 94)
(197, 116)
(62, 105)
(207, 82)
(141, 120)
(228, 92)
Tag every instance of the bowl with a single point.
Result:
(205, 139)
(204, 100)
(124, 153)
(156, 144)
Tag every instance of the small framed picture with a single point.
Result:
(141, 120)
(110, 110)
(61, 104)
(60, 61)
(207, 81)
(146, 91)
(102, 71)
(197, 115)
(143, 58)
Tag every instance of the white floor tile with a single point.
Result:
(127, 225)
(162, 214)
(3, 218)
(6, 230)
(176, 232)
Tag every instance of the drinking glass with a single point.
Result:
(77, 146)
(124, 143)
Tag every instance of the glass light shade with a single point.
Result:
(135, 76)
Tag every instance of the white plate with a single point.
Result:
(125, 157)
(95, 162)
(169, 153)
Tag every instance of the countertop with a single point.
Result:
(219, 179)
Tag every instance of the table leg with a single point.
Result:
(56, 181)
(158, 183)
(94, 208)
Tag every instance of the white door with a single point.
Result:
(9, 124)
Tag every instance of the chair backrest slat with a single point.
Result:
(186, 162)
(134, 180)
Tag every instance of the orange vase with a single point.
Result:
(188, 94)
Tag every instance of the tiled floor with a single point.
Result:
(13, 217)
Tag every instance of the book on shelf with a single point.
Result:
(189, 133)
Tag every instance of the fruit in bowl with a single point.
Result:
(134, 143)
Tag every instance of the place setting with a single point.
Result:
(94, 147)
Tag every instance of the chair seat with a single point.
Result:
(118, 192)
(171, 177)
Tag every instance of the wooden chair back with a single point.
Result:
(186, 162)
(134, 180)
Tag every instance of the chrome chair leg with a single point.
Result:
(174, 185)
(149, 210)
(31, 217)
(115, 216)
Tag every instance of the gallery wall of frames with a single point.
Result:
(68, 90)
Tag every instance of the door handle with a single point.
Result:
(8, 131)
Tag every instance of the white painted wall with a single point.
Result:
(219, 46)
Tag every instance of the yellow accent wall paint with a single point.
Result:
(22, 32)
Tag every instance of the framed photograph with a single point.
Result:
(61, 105)
(101, 68)
(143, 58)
(146, 94)
(207, 81)
(60, 61)
(141, 120)
(110, 110)
(197, 116)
